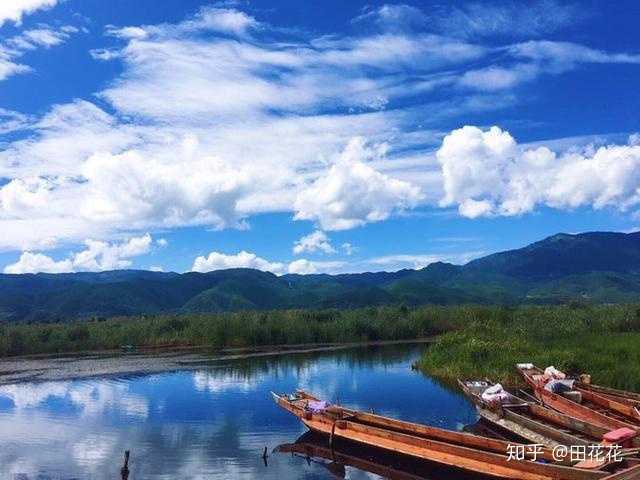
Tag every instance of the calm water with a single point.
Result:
(212, 423)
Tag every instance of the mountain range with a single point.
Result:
(594, 267)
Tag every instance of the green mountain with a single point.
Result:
(591, 267)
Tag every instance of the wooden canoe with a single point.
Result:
(531, 421)
(461, 450)
(595, 409)
(631, 397)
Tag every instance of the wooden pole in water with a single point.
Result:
(124, 471)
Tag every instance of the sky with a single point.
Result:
(311, 137)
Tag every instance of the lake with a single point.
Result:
(211, 423)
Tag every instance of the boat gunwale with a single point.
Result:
(571, 408)
(499, 461)
(534, 418)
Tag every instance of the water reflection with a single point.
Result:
(211, 423)
(344, 457)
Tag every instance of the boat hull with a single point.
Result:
(355, 428)
(610, 420)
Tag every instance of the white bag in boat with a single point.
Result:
(553, 372)
(495, 393)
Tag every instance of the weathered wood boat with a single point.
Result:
(461, 450)
(632, 397)
(531, 421)
(593, 408)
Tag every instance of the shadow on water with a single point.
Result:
(314, 447)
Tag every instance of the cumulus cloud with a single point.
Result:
(243, 259)
(97, 256)
(14, 10)
(316, 241)
(142, 189)
(352, 193)
(213, 120)
(303, 266)
(485, 172)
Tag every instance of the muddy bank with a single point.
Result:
(74, 366)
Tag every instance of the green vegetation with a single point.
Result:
(239, 329)
(474, 341)
(603, 341)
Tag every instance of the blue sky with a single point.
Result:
(310, 137)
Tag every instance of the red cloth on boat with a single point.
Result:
(620, 435)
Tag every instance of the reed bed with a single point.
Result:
(222, 330)
(601, 340)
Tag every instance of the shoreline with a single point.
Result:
(73, 366)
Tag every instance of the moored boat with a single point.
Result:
(591, 407)
(530, 421)
(461, 450)
(631, 397)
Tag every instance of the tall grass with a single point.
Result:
(476, 341)
(603, 341)
(240, 329)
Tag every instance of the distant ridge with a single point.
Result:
(589, 267)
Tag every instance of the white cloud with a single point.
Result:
(512, 19)
(498, 78)
(15, 47)
(393, 17)
(162, 242)
(224, 20)
(14, 10)
(316, 241)
(141, 188)
(303, 266)
(38, 262)
(418, 261)
(487, 173)
(243, 259)
(10, 120)
(97, 256)
(128, 33)
(564, 55)
(215, 119)
(348, 248)
(352, 193)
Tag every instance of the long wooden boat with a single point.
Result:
(632, 397)
(594, 408)
(461, 450)
(532, 421)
